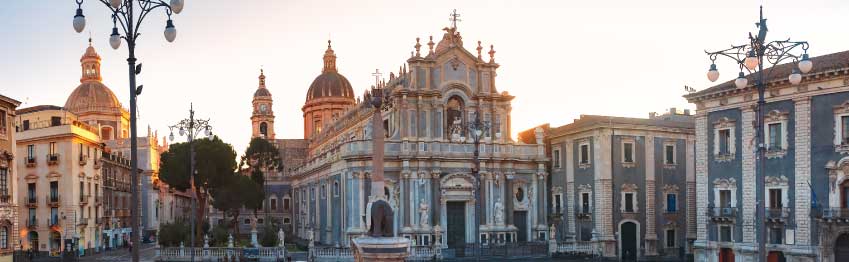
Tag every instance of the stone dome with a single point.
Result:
(330, 84)
(93, 96)
(262, 92)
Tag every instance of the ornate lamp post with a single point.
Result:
(476, 131)
(750, 57)
(124, 13)
(191, 128)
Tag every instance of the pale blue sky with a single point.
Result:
(559, 58)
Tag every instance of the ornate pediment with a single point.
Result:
(724, 122)
(457, 181)
(776, 116)
(729, 183)
(842, 108)
(775, 181)
(630, 188)
(585, 188)
(670, 188)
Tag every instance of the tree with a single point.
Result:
(240, 191)
(215, 164)
(261, 157)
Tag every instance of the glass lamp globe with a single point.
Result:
(79, 21)
(795, 78)
(171, 136)
(751, 61)
(478, 132)
(712, 73)
(177, 6)
(805, 64)
(741, 81)
(115, 3)
(170, 31)
(182, 131)
(115, 39)
(208, 131)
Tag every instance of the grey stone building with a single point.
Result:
(626, 185)
(806, 168)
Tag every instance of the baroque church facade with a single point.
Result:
(428, 154)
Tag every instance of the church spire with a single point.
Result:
(261, 78)
(329, 59)
(90, 63)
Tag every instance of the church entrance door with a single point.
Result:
(520, 220)
(841, 248)
(456, 219)
(628, 240)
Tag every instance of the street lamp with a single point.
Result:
(476, 130)
(191, 128)
(751, 56)
(123, 14)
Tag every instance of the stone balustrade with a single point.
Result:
(219, 253)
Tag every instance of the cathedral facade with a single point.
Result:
(428, 155)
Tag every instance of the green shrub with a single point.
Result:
(269, 237)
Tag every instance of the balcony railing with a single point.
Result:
(54, 221)
(32, 223)
(83, 199)
(31, 201)
(584, 213)
(83, 221)
(722, 213)
(83, 159)
(53, 200)
(53, 159)
(837, 214)
(98, 200)
(97, 163)
(30, 161)
(777, 213)
(5, 197)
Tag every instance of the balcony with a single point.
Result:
(32, 223)
(53, 201)
(83, 199)
(31, 201)
(83, 221)
(5, 198)
(30, 161)
(98, 200)
(98, 163)
(777, 214)
(98, 220)
(83, 160)
(833, 215)
(722, 214)
(52, 159)
(54, 221)
(584, 214)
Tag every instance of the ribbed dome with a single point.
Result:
(262, 92)
(330, 84)
(92, 96)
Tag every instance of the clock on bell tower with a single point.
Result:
(262, 118)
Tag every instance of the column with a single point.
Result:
(802, 146)
(603, 190)
(436, 200)
(701, 164)
(534, 204)
(651, 232)
(691, 191)
(402, 203)
(571, 200)
(749, 179)
(489, 192)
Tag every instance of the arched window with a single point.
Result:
(263, 129)
(4, 237)
(106, 133)
(454, 116)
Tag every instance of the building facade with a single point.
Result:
(804, 188)
(428, 155)
(9, 222)
(116, 199)
(625, 183)
(61, 174)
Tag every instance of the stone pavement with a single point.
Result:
(146, 253)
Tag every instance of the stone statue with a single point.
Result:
(281, 238)
(551, 232)
(456, 128)
(499, 212)
(206, 240)
(381, 219)
(424, 210)
(253, 222)
(230, 241)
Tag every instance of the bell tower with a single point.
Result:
(262, 118)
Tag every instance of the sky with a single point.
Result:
(560, 58)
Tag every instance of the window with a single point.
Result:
(671, 201)
(4, 183)
(844, 130)
(32, 220)
(30, 151)
(54, 191)
(285, 204)
(260, 221)
(585, 203)
(585, 154)
(775, 137)
(670, 238)
(629, 202)
(4, 237)
(724, 141)
(725, 233)
(287, 221)
(247, 221)
(556, 158)
(336, 189)
(31, 193)
(3, 122)
(273, 204)
(628, 152)
(323, 192)
(669, 153)
(775, 236)
(775, 198)
(55, 121)
(724, 198)
(557, 199)
(54, 215)
(26, 125)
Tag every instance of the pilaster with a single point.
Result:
(701, 175)
(651, 233)
(802, 147)
(749, 189)
(571, 196)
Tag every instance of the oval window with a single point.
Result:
(520, 194)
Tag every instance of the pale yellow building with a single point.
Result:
(60, 180)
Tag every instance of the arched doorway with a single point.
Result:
(457, 194)
(32, 237)
(628, 240)
(55, 242)
(841, 248)
(775, 256)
